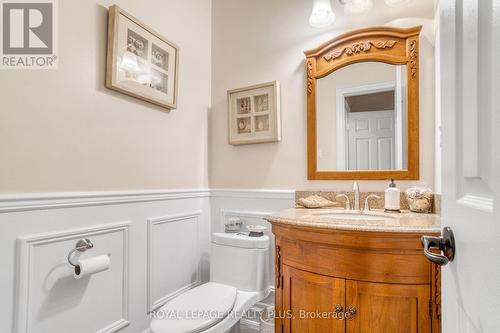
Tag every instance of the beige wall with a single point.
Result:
(63, 130)
(261, 40)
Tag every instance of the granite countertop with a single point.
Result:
(375, 220)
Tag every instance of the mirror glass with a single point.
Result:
(362, 118)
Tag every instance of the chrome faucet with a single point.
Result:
(355, 188)
(357, 199)
(367, 202)
(347, 202)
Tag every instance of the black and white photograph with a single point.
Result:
(139, 72)
(159, 81)
(137, 44)
(159, 57)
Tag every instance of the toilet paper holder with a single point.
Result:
(82, 245)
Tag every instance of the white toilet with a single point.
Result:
(239, 277)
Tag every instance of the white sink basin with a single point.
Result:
(351, 217)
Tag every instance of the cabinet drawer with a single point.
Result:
(391, 266)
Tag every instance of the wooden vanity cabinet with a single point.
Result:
(336, 281)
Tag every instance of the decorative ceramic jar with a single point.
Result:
(419, 199)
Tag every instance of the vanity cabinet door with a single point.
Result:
(310, 302)
(387, 308)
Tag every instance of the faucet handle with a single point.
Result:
(347, 201)
(367, 201)
(355, 186)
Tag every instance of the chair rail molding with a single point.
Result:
(54, 200)
(252, 193)
(242, 213)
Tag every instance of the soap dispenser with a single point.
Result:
(392, 198)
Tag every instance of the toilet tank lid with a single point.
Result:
(240, 240)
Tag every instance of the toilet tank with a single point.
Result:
(240, 261)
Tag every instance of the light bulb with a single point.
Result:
(394, 3)
(357, 7)
(322, 14)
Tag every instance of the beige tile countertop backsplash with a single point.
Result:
(374, 203)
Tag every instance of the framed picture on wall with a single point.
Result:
(254, 114)
(140, 62)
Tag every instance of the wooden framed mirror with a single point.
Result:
(362, 105)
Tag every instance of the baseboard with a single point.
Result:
(250, 323)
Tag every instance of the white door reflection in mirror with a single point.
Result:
(361, 118)
(370, 140)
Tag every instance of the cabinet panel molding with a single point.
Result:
(382, 308)
(312, 302)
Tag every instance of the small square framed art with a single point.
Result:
(254, 114)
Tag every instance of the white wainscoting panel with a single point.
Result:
(173, 257)
(48, 226)
(37, 297)
(44, 201)
(50, 299)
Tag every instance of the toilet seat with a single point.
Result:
(195, 310)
